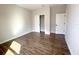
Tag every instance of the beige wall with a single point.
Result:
(56, 9)
(14, 22)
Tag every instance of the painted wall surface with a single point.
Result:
(42, 11)
(14, 21)
(56, 9)
(72, 30)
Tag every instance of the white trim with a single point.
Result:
(15, 37)
(47, 33)
(68, 46)
(52, 32)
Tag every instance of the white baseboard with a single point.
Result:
(52, 32)
(14, 37)
(47, 33)
(68, 46)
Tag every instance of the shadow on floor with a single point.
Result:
(4, 47)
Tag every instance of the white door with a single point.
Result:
(60, 23)
(37, 23)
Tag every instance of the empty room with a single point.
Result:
(39, 29)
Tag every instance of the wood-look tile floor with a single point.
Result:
(36, 44)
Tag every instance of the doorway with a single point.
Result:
(42, 27)
(41, 23)
(60, 26)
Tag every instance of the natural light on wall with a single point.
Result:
(17, 23)
(15, 46)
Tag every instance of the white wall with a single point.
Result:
(72, 30)
(42, 11)
(14, 22)
(55, 9)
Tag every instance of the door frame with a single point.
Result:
(64, 24)
(40, 22)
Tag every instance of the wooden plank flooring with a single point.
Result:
(36, 44)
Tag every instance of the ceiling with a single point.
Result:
(32, 6)
(35, 6)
